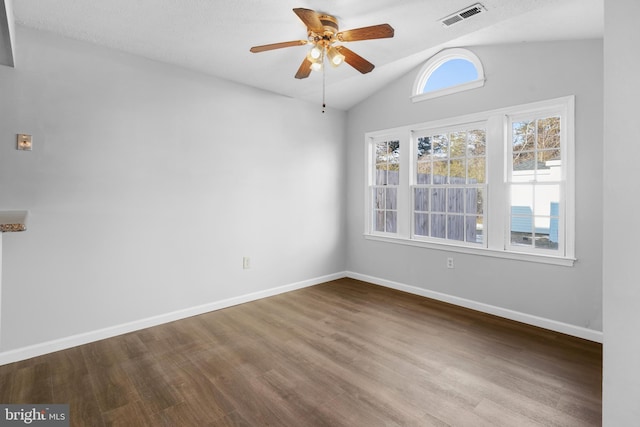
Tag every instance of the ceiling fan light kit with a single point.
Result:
(322, 33)
(335, 57)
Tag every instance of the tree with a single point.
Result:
(535, 142)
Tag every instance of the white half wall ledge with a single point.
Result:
(541, 322)
(7, 33)
(13, 221)
(35, 350)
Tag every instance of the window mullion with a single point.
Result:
(497, 187)
(404, 190)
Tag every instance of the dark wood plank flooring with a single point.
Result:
(344, 353)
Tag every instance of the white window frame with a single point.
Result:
(497, 208)
(433, 63)
(566, 207)
(417, 133)
(370, 182)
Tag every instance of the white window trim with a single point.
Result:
(417, 133)
(497, 215)
(369, 222)
(436, 61)
(372, 184)
(566, 112)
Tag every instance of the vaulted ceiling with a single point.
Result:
(214, 36)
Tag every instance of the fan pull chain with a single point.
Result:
(323, 83)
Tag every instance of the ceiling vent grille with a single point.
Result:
(463, 14)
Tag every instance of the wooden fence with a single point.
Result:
(445, 212)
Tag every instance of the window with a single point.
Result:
(385, 186)
(449, 184)
(453, 72)
(448, 72)
(498, 183)
(535, 180)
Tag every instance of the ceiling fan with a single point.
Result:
(322, 33)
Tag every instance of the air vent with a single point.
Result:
(463, 14)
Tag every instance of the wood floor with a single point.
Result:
(344, 353)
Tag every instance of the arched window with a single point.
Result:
(447, 72)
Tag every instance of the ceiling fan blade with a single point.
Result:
(355, 60)
(311, 19)
(381, 31)
(304, 70)
(273, 46)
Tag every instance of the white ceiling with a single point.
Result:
(214, 36)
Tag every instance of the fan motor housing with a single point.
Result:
(330, 25)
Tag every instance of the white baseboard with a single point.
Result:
(553, 325)
(85, 338)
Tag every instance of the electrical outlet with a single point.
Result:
(450, 262)
(246, 264)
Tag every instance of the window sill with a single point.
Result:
(519, 256)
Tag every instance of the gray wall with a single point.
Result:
(139, 207)
(515, 74)
(621, 376)
(148, 184)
